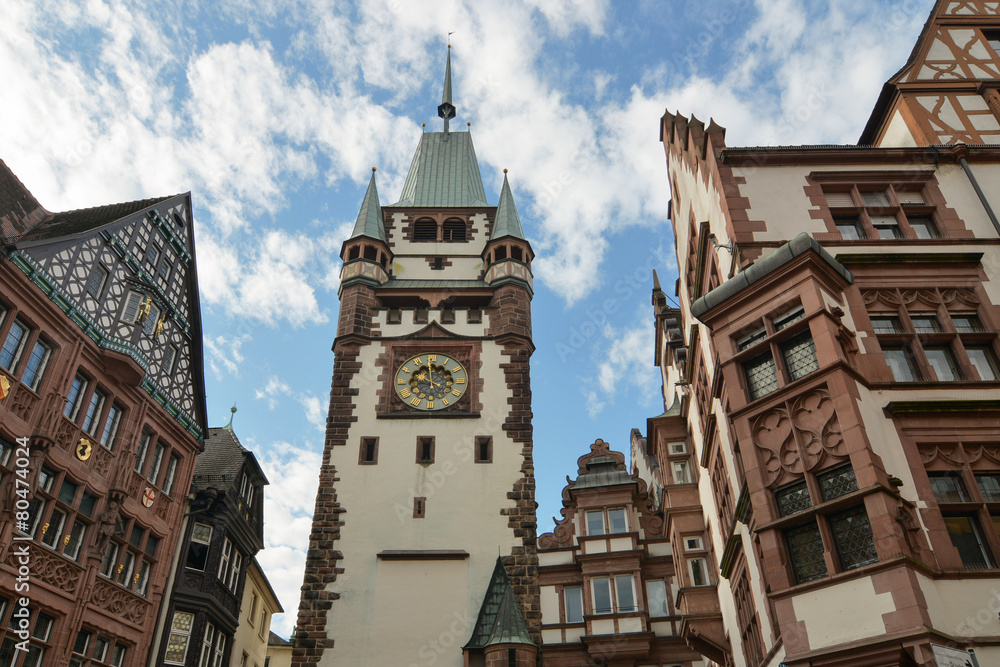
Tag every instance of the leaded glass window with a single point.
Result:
(792, 499)
(925, 323)
(180, 634)
(789, 318)
(948, 487)
(37, 362)
(806, 548)
(761, 377)
(800, 356)
(837, 482)
(886, 324)
(852, 533)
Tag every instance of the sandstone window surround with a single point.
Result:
(933, 335)
(964, 479)
(785, 352)
(881, 211)
(92, 648)
(614, 594)
(61, 513)
(40, 627)
(827, 526)
(607, 521)
(129, 563)
(573, 599)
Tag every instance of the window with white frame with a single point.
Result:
(682, 474)
(677, 448)
(229, 566)
(610, 521)
(213, 647)
(698, 571)
(201, 541)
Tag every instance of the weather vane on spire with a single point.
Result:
(446, 109)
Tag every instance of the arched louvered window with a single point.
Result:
(454, 230)
(425, 230)
(371, 252)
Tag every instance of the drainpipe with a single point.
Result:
(979, 191)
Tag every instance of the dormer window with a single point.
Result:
(617, 521)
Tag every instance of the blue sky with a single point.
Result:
(273, 112)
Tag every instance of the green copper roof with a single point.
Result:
(370, 221)
(508, 223)
(444, 173)
(500, 619)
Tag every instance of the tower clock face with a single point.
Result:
(431, 381)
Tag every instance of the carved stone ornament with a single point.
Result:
(120, 602)
(796, 439)
(50, 568)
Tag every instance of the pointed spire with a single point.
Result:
(370, 222)
(232, 413)
(507, 223)
(446, 109)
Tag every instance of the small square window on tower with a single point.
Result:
(419, 508)
(425, 449)
(420, 316)
(475, 316)
(394, 316)
(447, 316)
(484, 449)
(369, 451)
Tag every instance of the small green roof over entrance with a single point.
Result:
(500, 619)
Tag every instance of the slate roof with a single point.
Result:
(370, 222)
(507, 222)
(275, 640)
(500, 619)
(80, 221)
(602, 471)
(221, 461)
(444, 173)
(19, 209)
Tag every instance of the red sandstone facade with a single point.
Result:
(834, 359)
(100, 425)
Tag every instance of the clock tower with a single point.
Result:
(427, 472)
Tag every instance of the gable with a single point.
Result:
(103, 276)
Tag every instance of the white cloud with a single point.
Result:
(289, 500)
(316, 410)
(224, 353)
(270, 392)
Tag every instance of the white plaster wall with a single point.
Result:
(961, 196)
(897, 134)
(555, 558)
(777, 197)
(854, 602)
(549, 605)
(962, 607)
(460, 326)
(463, 501)
(418, 268)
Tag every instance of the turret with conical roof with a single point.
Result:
(508, 254)
(366, 254)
